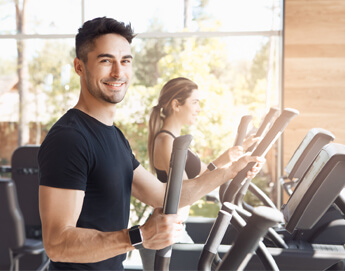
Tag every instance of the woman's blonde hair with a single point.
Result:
(179, 88)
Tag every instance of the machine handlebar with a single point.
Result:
(272, 135)
(173, 192)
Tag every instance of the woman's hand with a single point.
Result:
(236, 152)
(241, 163)
(250, 140)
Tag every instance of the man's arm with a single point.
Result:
(147, 188)
(63, 241)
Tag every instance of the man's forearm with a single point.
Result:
(81, 245)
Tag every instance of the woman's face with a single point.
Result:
(188, 112)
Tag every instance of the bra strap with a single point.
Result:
(167, 132)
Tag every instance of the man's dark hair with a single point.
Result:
(94, 28)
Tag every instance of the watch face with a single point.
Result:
(135, 236)
(211, 166)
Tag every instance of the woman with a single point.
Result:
(178, 105)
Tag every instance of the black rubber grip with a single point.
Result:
(242, 130)
(267, 120)
(272, 135)
(241, 134)
(173, 192)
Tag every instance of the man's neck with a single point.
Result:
(104, 113)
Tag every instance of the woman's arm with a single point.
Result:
(148, 189)
(194, 189)
(232, 154)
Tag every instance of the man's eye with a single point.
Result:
(105, 60)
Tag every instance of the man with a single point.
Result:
(88, 171)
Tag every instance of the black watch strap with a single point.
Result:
(136, 237)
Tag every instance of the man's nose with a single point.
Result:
(116, 70)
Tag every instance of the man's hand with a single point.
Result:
(161, 230)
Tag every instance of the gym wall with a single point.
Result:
(314, 69)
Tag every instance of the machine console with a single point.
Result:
(317, 189)
(312, 143)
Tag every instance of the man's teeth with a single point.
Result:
(114, 84)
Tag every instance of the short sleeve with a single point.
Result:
(135, 162)
(63, 159)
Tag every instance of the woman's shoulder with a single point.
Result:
(163, 139)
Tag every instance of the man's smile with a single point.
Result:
(118, 84)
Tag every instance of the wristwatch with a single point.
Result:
(211, 166)
(136, 237)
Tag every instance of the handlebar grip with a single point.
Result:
(175, 175)
(242, 129)
(268, 118)
(272, 135)
(241, 134)
(173, 192)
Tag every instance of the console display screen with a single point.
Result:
(305, 183)
(307, 139)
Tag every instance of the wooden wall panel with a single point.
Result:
(314, 69)
(306, 21)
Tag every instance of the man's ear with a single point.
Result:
(78, 66)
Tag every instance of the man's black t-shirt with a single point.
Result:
(79, 152)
